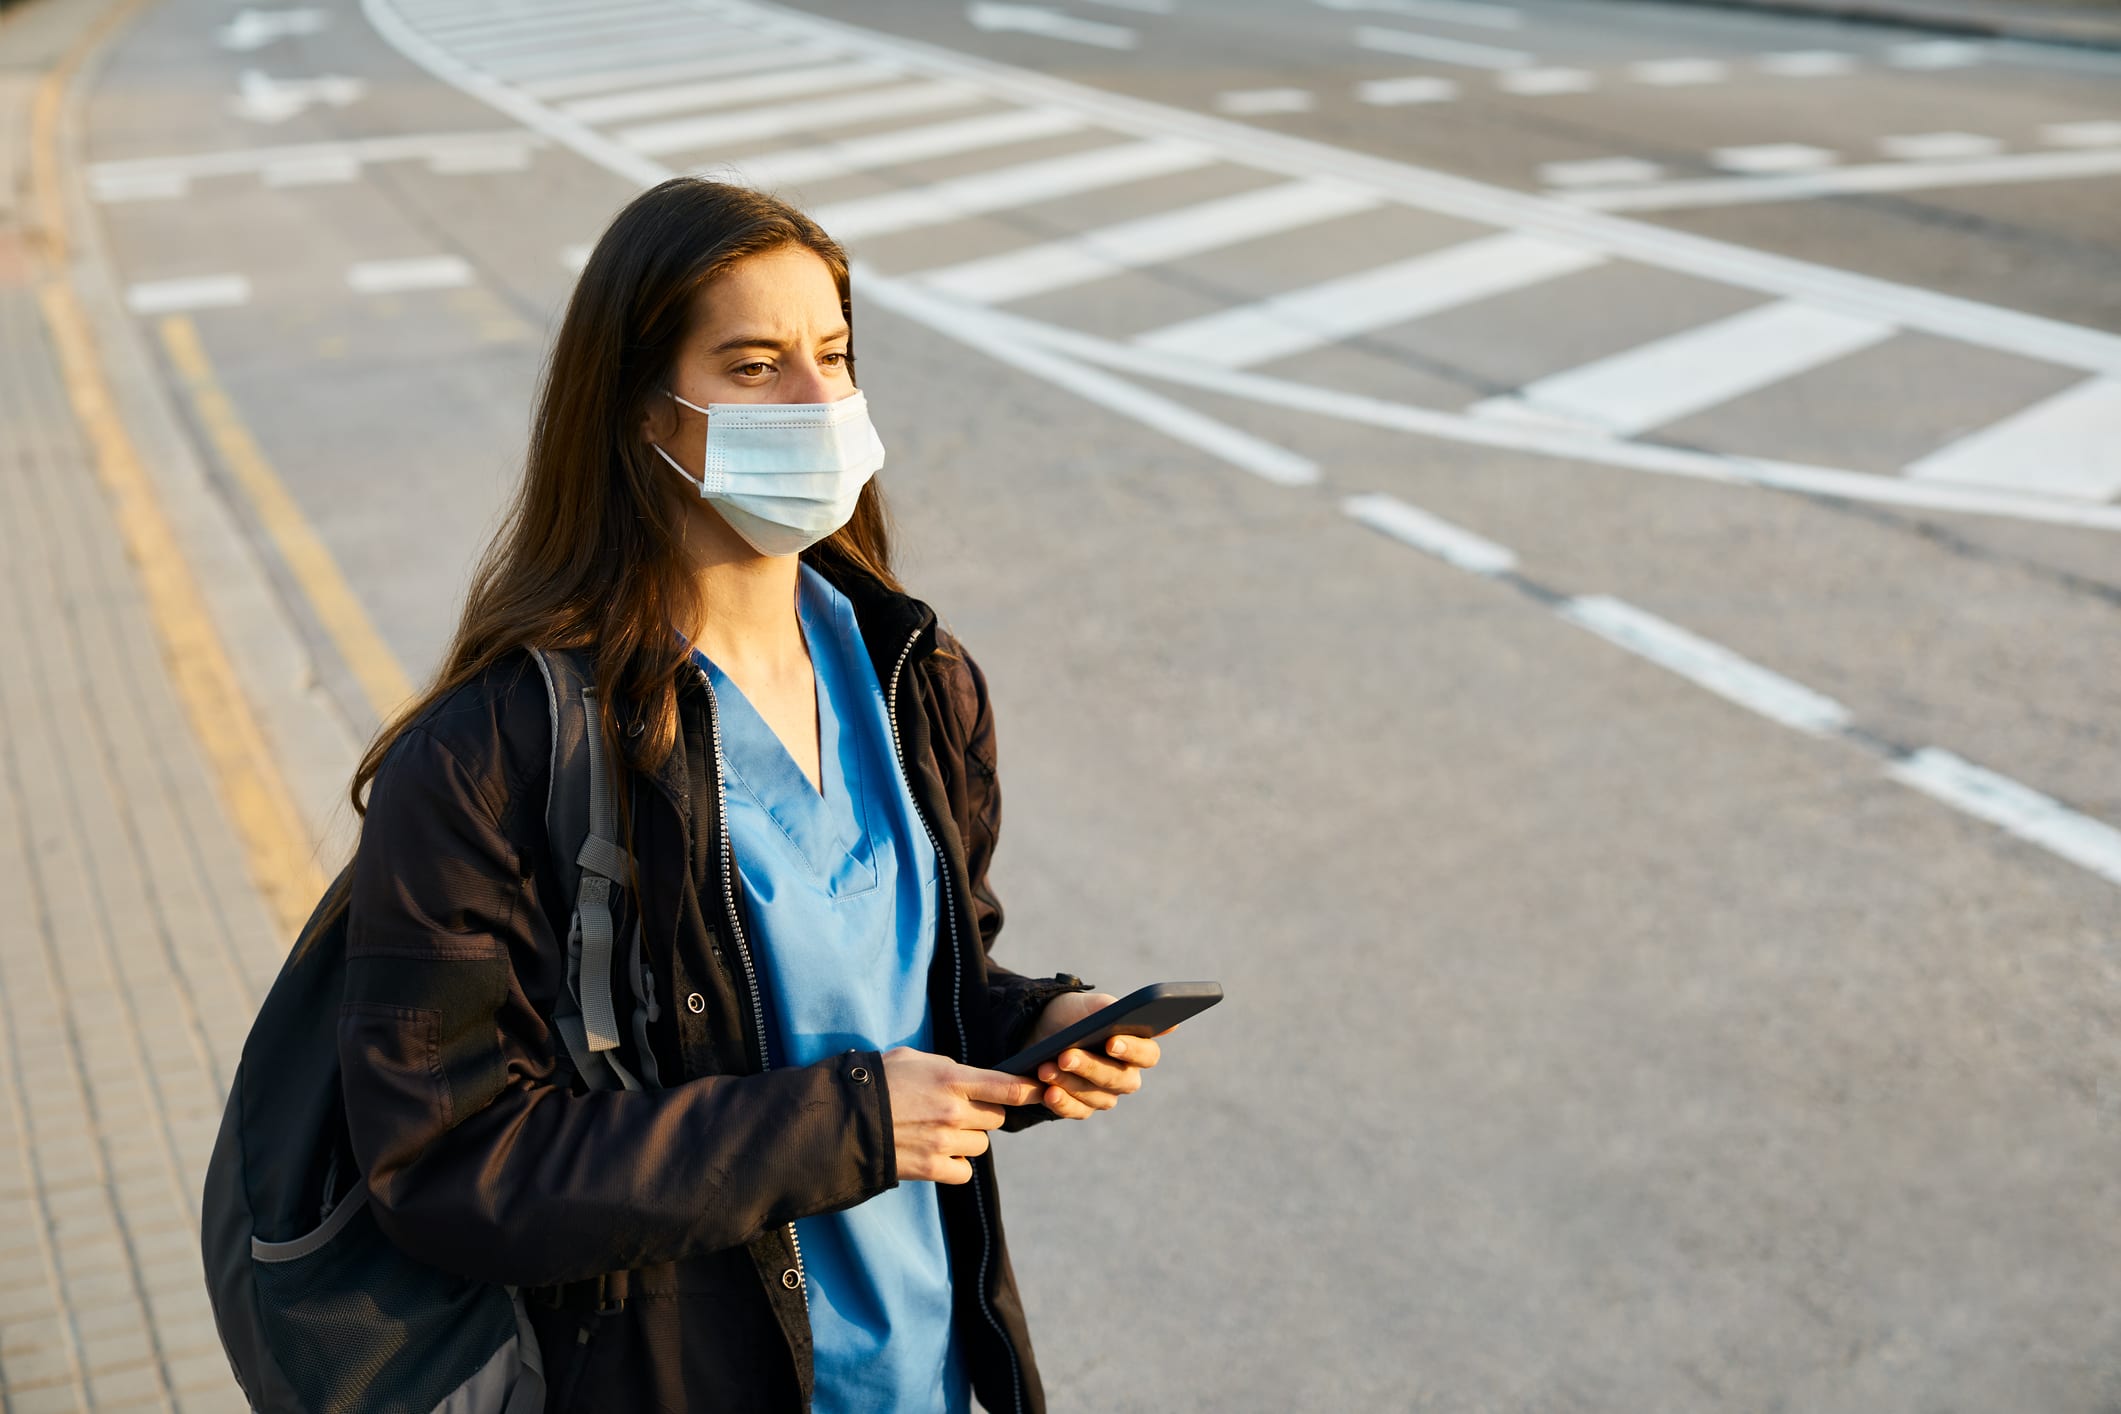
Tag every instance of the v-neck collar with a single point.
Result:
(827, 822)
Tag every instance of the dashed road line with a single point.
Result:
(1546, 82)
(1935, 54)
(1808, 64)
(151, 297)
(1599, 172)
(1264, 102)
(384, 277)
(1440, 50)
(1679, 73)
(2027, 814)
(1394, 93)
(1841, 181)
(1934, 147)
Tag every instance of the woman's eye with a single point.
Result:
(839, 360)
(753, 370)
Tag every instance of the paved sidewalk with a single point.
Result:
(135, 946)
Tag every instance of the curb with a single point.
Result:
(1992, 25)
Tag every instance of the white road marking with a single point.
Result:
(575, 257)
(181, 296)
(1935, 147)
(1670, 378)
(328, 170)
(862, 154)
(1008, 187)
(262, 99)
(242, 161)
(1168, 235)
(2101, 132)
(976, 329)
(1679, 73)
(725, 93)
(1305, 319)
(1450, 12)
(1808, 63)
(1049, 24)
(2066, 445)
(387, 277)
(472, 161)
(577, 85)
(531, 40)
(1570, 445)
(1429, 534)
(1544, 83)
(1599, 172)
(1706, 664)
(624, 49)
(2018, 809)
(1394, 93)
(145, 186)
(1773, 157)
(1935, 54)
(254, 29)
(1259, 102)
(1440, 50)
(483, 22)
(717, 130)
(1140, 7)
(1876, 177)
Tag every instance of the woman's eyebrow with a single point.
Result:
(764, 341)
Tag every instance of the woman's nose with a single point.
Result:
(811, 385)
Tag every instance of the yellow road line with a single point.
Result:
(275, 843)
(374, 666)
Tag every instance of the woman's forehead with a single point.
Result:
(789, 290)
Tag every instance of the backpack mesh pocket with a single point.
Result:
(359, 1326)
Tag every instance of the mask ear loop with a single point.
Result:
(698, 481)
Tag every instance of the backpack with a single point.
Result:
(318, 1310)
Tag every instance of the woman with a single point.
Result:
(803, 1210)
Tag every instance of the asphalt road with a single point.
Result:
(1615, 674)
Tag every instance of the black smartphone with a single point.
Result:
(1153, 1009)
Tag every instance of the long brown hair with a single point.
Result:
(591, 554)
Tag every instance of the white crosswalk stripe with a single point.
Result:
(1373, 299)
(1021, 185)
(719, 130)
(748, 60)
(1169, 235)
(725, 93)
(1671, 378)
(863, 154)
(2067, 445)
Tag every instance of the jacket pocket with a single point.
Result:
(397, 1097)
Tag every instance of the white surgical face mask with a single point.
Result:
(785, 475)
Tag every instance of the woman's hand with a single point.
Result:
(941, 1112)
(1079, 1081)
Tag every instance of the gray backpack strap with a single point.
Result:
(581, 805)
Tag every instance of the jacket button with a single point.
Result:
(636, 728)
(791, 1279)
(695, 1004)
(859, 1075)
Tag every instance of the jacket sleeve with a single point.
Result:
(1014, 1001)
(478, 1155)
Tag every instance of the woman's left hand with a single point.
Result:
(1080, 1081)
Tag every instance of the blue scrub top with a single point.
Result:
(843, 893)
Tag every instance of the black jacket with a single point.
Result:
(653, 1228)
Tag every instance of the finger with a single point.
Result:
(1066, 1105)
(996, 1087)
(1135, 1050)
(970, 1143)
(953, 1171)
(1097, 1097)
(979, 1116)
(1115, 1076)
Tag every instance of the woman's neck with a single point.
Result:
(749, 625)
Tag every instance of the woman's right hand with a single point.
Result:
(941, 1112)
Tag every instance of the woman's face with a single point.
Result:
(767, 330)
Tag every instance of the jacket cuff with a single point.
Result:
(862, 1072)
(1020, 1003)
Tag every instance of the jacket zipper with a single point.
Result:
(736, 925)
(957, 977)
